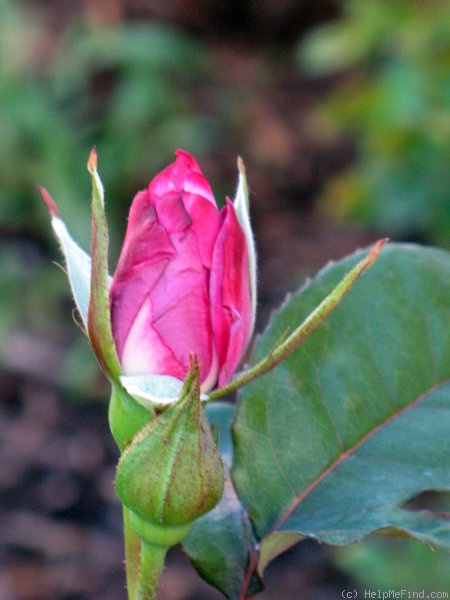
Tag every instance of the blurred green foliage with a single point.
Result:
(393, 96)
(127, 88)
(378, 564)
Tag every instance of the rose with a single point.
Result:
(182, 282)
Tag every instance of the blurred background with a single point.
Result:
(340, 110)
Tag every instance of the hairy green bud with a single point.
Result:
(172, 472)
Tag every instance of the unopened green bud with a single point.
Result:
(172, 472)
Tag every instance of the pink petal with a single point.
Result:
(181, 305)
(145, 254)
(205, 225)
(230, 294)
(145, 352)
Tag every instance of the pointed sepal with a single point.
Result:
(77, 261)
(242, 207)
(99, 317)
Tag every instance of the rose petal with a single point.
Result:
(230, 294)
(145, 352)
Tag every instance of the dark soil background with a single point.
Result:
(60, 522)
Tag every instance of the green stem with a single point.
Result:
(126, 418)
(288, 344)
(151, 570)
(132, 554)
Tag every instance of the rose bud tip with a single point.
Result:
(173, 295)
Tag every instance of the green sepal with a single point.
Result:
(126, 416)
(88, 276)
(241, 204)
(164, 536)
(77, 261)
(99, 315)
(288, 342)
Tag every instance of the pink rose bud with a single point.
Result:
(182, 283)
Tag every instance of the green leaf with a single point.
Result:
(356, 422)
(275, 544)
(220, 543)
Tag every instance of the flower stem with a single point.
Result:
(132, 554)
(289, 343)
(151, 570)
